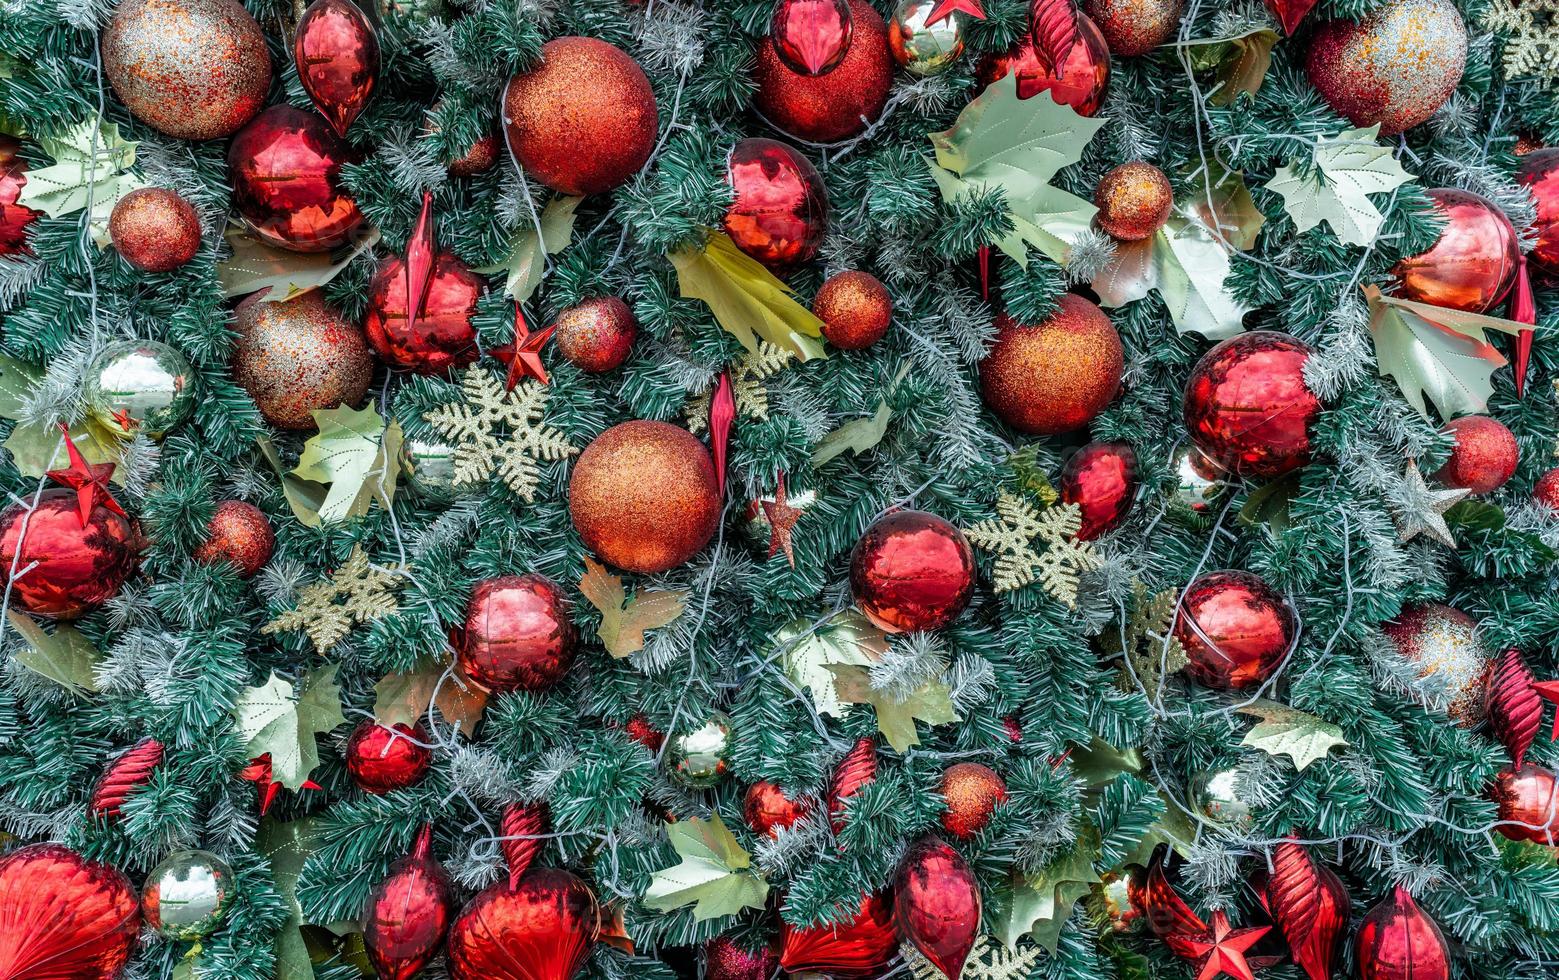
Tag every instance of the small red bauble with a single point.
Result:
(912, 571)
(1247, 406)
(1310, 906)
(972, 792)
(1473, 263)
(154, 229)
(1528, 800)
(767, 809)
(1546, 492)
(336, 51)
(1134, 201)
(517, 634)
(286, 168)
(852, 950)
(73, 569)
(835, 106)
(382, 758)
(63, 917)
(1081, 83)
(1101, 479)
(811, 36)
(123, 776)
(480, 157)
(408, 913)
(779, 210)
(238, 533)
(1133, 27)
(1443, 644)
(299, 356)
(727, 959)
(583, 120)
(1397, 941)
(936, 904)
(1539, 174)
(1395, 67)
(444, 336)
(1055, 376)
(1235, 629)
(640, 730)
(14, 218)
(541, 929)
(855, 309)
(1484, 457)
(597, 335)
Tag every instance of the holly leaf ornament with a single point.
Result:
(357, 456)
(1288, 731)
(896, 717)
(715, 875)
(65, 656)
(1042, 902)
(91, 166)
(402, 698)
(858, 435)
(746, 299)
(1437, 354)
(278, 274)
(623, 618)
(280, 720)
(847, 639)
(1239, 61)
(526, 262)
(1345, 169)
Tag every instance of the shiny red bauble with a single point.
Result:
(336, 52)
(444, 336)
(596, 335)
(1101, 479)
(837, 105)
(154, 229)
(517, 634)
(1081, 82)
(972, 792)
(936, 904)
(286, 172)
(1473, 263)
(1528, 801)
(63, 917)
(767, 809)
(382, 758)
(1235, 628)
(855, 308)
(238, 533)
(912, 571)
(855, 949)
(1484, 457)
(14, 218)
(408, 913)
(65, 569)
(1247, 407)
(1310, 906)
(1546, 492)
(727, 959)
(779, 210)
(811, 36)
(583, 120)
(540, 929)
(1397, 941)
(1395, 67)
(1055, 376)
(1539, 174)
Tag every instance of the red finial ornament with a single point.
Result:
(337, 56)
(89, 480)
(1523, 309)
(1309, 903)
(811, 36)
(1166, 913)
(1054, 30)
(523, 355)
(722, 414)
(1515, 710)
(421, 252)
(856, 770)
(409, 913)
(123, 776)
(1397, 941)
(522, 827)
(1220, 951)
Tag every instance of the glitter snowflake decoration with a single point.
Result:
(1531, 32)
(1012, 537)
(989, 960)
(498, 431)
(326, 610)
(748, 386)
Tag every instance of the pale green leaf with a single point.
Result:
(745, 298)
(304, 497)
(526, 262)
(895, 718)
(848, 638)
(91, 165)
(715, 874)
(1349, 167)
(1448, 361)
(357, 455)
(856, 436)
(402, 698)
(283, 275)
(65, 656)
(1042, 902)
(1287, 731)
(17, 381)
(288, 846)
(274, 719)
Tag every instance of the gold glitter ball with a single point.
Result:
(1054, 376)
(1396, 67)
(855, 309)
(1133, 27)
(298, 356)
(1134, 201)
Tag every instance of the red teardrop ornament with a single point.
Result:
(523, 825)
(1310, 906)
(1515, 709)
(63, 917)
(936, 904)
(1397, 941)
(541, 930)
(855, 770)
(336, 51)
(408, 913)
(858, 948)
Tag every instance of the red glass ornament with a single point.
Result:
(1165, 912)
(722, 416)
(972, 791)
(154, 229)
(1539, 174)
(727, 959)
(540, 930)
(517, 634)
(1546, 491)
(811, 36)
(14, 218)
(853, 950)
(1310, 905)
(936, 904)
(74, 568)
(286, 171)
(1395, 67)
(1528, 800)
(1473, 263)
(421, 252)
(779, 210)
(838, 105)
(1220, 950)
(522, 827)
(1054, 376)
(63, 917)
(336, 51)
(856, 309)
(767, 809)
(123, 776)
(1247, 406)
(1081, 82)
(596, 335)
(444, 336)
(1101, 479)
(382, 758)
(238, 533)
(1289, 13)
(1484, 457)
(408, 913)
(1235, 628)
(855, 771)
(912, 571)
(1515, 709)
(1397, 941)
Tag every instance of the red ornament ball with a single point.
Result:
(1443, 644)
(596, 335)
(1397, 941)
(154, 229)
(297, 357)
(541, 928)
(855, 309)
(1101, 479)
(838, 105)
(382, 758)
(1546, 492)
(75, 568)
(14, 218)
(779, 210)
(409, 913)
(583, 120)
(912, 571)
(1055, 376)
(1539, 174)
(286, 168)
(811, 36)
(767, 809)
(1395, 67)
(644, 496)
(1473, 263)
(65, 917)
(1247, 406)
(1134, 200)
(1484, 457)
(480, 157)
(936, 904)
(1132, 27)
(1235, 629)
(640, 730)
(444, 336)
(859, 947)
(238, 533)
(1528, 800)
(336, 52)
(972, 791)
(1081, 82)
(727, 959)
(517, 634)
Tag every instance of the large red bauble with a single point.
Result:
(286, 169)
(1397, 941)
(972, 792)
(1396, 67)
(1055, 376)
(1473, 263)
(936, 904)
(1528, 800)
(444, 336)
(517, 634)
(382, 758)
(1085, 72)
(1444, 645)
(63, 917)
(596, 335)
(859, 948)
(541, 929)
(767, 809)
(1484, 457)
(1247, 407)
(584, 119)
(835, 106)
(238, 533)
(1310, 906)
(1235, 629)
(336, 52)
(779, 210)
(74, 569)
(856, 309)
(727, 959)
(299, 356)
(1539, 174)
(811, 36)
(912, 571)
(1101, 479)
(14, 218)
(408, 913)
(154, 229)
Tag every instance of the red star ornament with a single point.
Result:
(89, 480)
(782, 520)
(947, 8)
(1549, 691)
(523, 355)
(1219, 951)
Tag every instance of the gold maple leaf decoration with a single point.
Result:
(498, 431)
(1144, 638)
(1013, 535)
(748, 376)
(364, 593)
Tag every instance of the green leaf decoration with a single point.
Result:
(65, 656)
(1437, 354)
(91, 163)
(357, 456)
(1269, 504)
(17, 381)
(1286, 731)
(858, 435)
(402, 698)
(714, 877)
(288, 846)
(1041, 903)
(276, 719)
(282, 275)
(1345, 170)
(746, 298)
(895, 718)
(847, 639)
(526, 262)
(624, 619)
(1240, 62)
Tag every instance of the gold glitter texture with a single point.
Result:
(298, 356)
(1133, 27)
(1056, 376)
(1134, 201)
(154, 229)
(1396, 67)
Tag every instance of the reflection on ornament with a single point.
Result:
(779, 210)
(911, 571)
(336, 52)
(1199, 481)
(286, 173)
(1235, 629)
(1112, 901)
(1528, 800)
(1539, 174)
(187, 894)
(700, 758)
(139, 386)
(1473, 263)
(811, 36)
(429, 466)
(919, 47)
(1247, 405)
(1085, 72)
(1222, 796)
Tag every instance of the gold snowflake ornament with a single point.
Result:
(498, 431)
(989, 960)
(1531, 33)
(365, 592)
(1014, 537)
(748, 387)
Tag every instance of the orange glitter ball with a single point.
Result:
(239, 533)
(972, 792)
(1133, 27)
(855, 309)
(154, 229)
(1056, 376)
(1134, 201)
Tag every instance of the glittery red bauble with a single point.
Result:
(1309, 905)
(936, 904)
(972, 792)
(297, 357)
(1247, 406)
(193, 69)
(811, 36)
(1101, 479)
(382, 758)
(1055, 376)
(583, 120)
(596, 335)
(640, 730)
(517, 634)
(1084, 76)
(855, 309)
(408, 913)
(727, 959)
(1443, 644)
(63, 917)
(123, 776)
(238, 533)
(644, 496)
(336, 52)
(444, 336)
(835, 106)
(286, 168)
(1539, 174)
(1473, 263)
(480, 157)
(1395, 67)
(851, 950)
(912, 571)
(1528, 800)
(1397, 941)
(1235, 629)
(779, 211)
(767, 809)
(77, 568)
(154, 229)
(857, 770)
(1484, 457)
(541, 929)
(1546, 492)
(1134, 201)
(14, 218)
(1132, 27)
